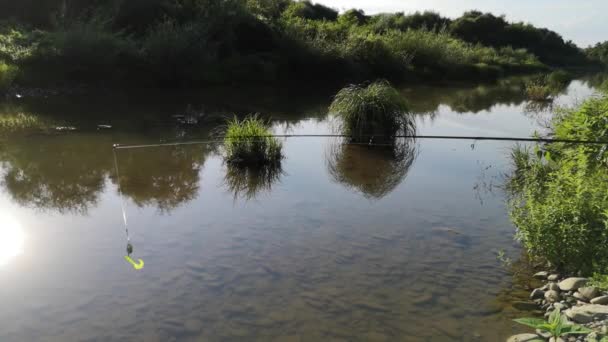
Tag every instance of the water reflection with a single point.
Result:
(165, 177)
(12, 238)
(64, 172)
(374, 171)
(248, 182)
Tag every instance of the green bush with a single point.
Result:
(176, 54)
(250, 142)
(558, 194)
(376, 110)
(86, 50)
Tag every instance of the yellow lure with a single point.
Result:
(137, 266)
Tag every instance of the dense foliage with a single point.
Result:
(559, 194)
(599, 52)
(194, 42)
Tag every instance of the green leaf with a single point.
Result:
(535, 323)
(575, 329)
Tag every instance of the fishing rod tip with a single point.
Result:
(115, 145)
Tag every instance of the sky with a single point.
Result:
(582, 21)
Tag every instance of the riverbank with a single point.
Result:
(183, 45)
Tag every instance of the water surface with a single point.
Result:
(343, 243)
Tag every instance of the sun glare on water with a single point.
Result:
(12, 238)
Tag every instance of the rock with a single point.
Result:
(545, 287)
(587, 313)
(553, 287)
(553, 277)
(603, 300)
(537, 293)
(523, 338)
(559, 306)
(589, 292)
(525, 306)
(558, 339)
(543, 334)
(552, 296)
(572, 284)
(541, 275)
(580, 297)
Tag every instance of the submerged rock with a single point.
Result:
(572, 284)
(541, 275)
(537, 293)
(603, 300)
(587, 313)
(523, 338)
(553, 277)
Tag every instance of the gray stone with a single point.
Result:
(552, 296)
(587, 313)
(553, 287)
(572, 284)
(537, 293)
(580, 297)
(553, 277)
(558, 339)
(541, 275)
(589, 292)
(559, 306)
(603, 300)
(543, 334)
(522, 338)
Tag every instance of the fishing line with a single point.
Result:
(439, 137)
(136, 265)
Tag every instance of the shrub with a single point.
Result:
(559, 78)
(374, 110)
(250, 142)
(87, 50)
(175, 54)
(558, 195)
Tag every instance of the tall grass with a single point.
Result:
(17, 121)
(250, 142)
(376, 110)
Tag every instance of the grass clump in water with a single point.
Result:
(545, 87)
(250, 142)
(376, 110)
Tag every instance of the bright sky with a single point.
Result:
(582, 21)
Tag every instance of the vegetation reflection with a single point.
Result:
(164, 177)
(64, 172)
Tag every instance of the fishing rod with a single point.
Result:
(219, 139)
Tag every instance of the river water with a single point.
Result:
(343, 243)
